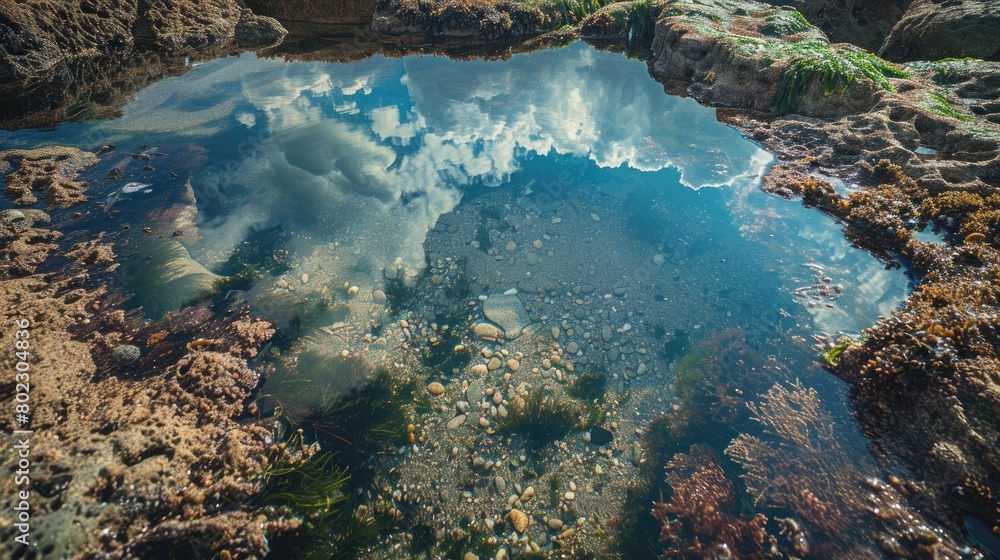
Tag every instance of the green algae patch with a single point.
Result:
(763, 37)
(939, 105)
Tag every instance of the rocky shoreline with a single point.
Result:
(918, 142)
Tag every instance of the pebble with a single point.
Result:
(126, 354)
(353, 290)
(519, 520)
(488, 331)
(456, 421)
(641, 369)
(305, 278)
(511, 246)
(568, 496)
(619, 292)
(513, 364)
(572, 348)
(470, 556)
(474, 392)
(480, 369)
(494, 363)
(532, 259)
(555, 524)
(379, 297)
(435, 388)
(595, 217)
(497, 398)
(484, 422)
(606, 333)
(537, 244)
(500, 483)
(437, 278)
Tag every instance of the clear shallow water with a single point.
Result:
(645, 211)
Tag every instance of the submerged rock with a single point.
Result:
(508, 312)
(164, 277)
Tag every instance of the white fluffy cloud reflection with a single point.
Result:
(411, 133)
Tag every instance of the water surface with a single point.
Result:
(566, 175)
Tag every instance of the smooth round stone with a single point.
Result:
(606, 333)
(532, 259)
(437, 278)
(483, 422)
(480, 369)
(456, 421)
(513, 364)
(487, 331)
(126, 354)
(379, 297)
(511, 246)
(619, 292)
(572, 348)
(555, 524)
(641, 370)
(494, 363)
(500, 483)
(569, 496)
(537, 244)
(435, 388)
(518, 519)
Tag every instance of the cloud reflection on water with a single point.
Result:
(421, 128)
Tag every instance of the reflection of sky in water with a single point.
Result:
(372, 153)
(332, 137)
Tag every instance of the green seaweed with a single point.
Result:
(939, 105)
(832, 356)
(573, 11)
(836, 70)
(781, 23)
(542, 417)
(641, 25)
(365, 422)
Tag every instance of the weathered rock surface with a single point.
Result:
(865, 23)
(38, 35)
(935, 29)
(312, 11)
(752, 56)
(492, 19)
(51, 171)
